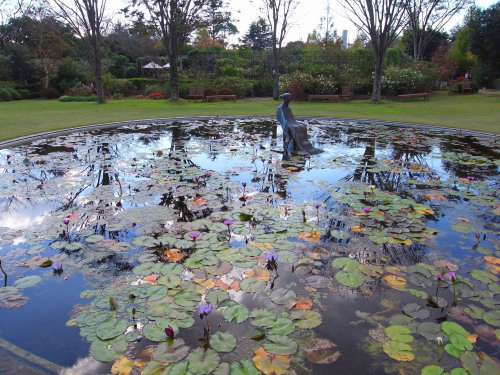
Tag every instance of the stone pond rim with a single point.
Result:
(32, 137)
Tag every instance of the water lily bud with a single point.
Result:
(439, 341)
(169, 331)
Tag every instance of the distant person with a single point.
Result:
(468, 75)
(454, 77)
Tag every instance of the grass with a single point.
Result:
(479, 112)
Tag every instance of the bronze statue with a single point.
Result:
(295, 140)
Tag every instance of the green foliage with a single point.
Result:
(240, 86)
(49, 93)
(8, 93)
(79, 89)
(408, 80)
(92, 98)
(311, 85)
(393, 57)
(113, 85)
(225, 91)
(141, 83)
(68, 73)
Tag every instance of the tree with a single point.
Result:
(174, 20)
(218, 23)
(258, 36)
(407, 45)
(46, 43)
(326, 31)
(381, 21)
(87, 20)
(278, 13)
(484, 40)
(427, 18)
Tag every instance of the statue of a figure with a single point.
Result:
(295, 140)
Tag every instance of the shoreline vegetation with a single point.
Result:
(477, 112)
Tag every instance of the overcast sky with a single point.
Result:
(308, 16)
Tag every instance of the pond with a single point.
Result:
(378, 256)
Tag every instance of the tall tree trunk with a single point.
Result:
(276, 72)
(101, 98)
(377, 79)
(174, 76)
(46, 76)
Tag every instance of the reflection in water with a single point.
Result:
(135, 196)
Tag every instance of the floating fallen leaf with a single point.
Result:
(492, 260)
(199, 200)
(302, 303)
(394, 281)
(357, 228)
(221, 284)
(122, 366)
(235, 285)
(435, 196)
(259, 273)
(174, 255)
(206, 283)
(271, 363)
(310, 236)
(321, 351)
(151, 279)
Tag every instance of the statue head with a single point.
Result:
(287, 96)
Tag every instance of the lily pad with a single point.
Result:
(214, 297)
(398, 351)
(244, 367)
(306, 318)
(223, 341)
(111, 328)
(280, 344)
(484, 276)
(238, 313)
(108, 350)
(399, 333)
(262, 318)
(171, 351)
(202, 361)
(431, 331)
(282, 326)
(252, 285)
(27, 281)
(416, 311)
(154, 332)
(7, 291)
(282, 296)
(350, 279)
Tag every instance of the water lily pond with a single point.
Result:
(192, 247)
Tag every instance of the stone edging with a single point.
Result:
(33, 137)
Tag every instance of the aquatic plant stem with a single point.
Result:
(1, 268)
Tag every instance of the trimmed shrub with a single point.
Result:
(5, 94)
(311, 85)
(156, 94)
(25, 94)
(210, 91)
(114, 85)
(92, 98)
(141, 83)
(49, 93)
(79, 89)
(240, 86)
(415, 79)
(225, 91)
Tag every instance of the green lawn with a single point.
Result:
(480, 112)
